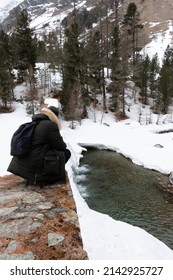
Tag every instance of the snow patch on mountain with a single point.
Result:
(6, 8)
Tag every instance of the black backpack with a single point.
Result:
(21, 142)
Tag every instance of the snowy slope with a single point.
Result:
(6, 6)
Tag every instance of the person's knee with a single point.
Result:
(67, 154)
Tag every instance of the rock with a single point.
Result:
(7, 211)
(158, 146)
(54, 239)
(28, 256)
(45, 205)
(171, 178)
(38, 223)
(11, 195)
(11, 247)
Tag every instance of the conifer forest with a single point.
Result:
(93, 62)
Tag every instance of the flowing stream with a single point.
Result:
(113, 185)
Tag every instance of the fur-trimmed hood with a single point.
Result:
(46, 111)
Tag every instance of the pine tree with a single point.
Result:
(26, 47)
(41, 51)
(153, 73)
(94, 62)
(53, 49)
(6, 65)
(166, 81)
(115, 86)
(73, 74)
(119, 72)
(131, 21)
(144, 78)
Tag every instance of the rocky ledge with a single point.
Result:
(38, 222)
(164, 184)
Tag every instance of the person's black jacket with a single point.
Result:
(46, 162)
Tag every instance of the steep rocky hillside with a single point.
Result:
(157, 17)
(46, 15)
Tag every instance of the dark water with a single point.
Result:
(113, 185)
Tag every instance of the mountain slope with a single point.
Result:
(46, 15)
(41, 11)
(157, 16)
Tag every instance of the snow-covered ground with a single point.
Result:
(104, 237)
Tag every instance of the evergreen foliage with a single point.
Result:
(26, 46)
(73, 73)
(82, 58)
(94, 62)
(153, 74)
(144, 77)
(165, 86)
(115, 86)
(131, 21)
(6, 66)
